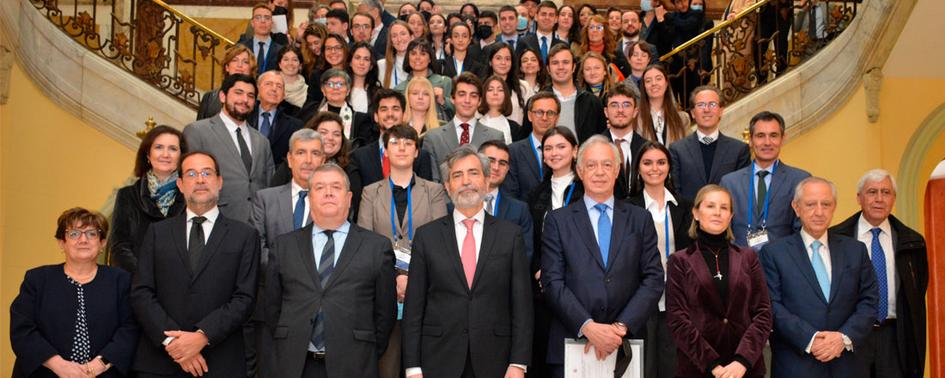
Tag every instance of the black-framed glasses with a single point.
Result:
(89, 234)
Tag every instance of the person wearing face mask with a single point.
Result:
(657, 26)
(485, 29)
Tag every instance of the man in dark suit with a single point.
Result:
(620, 107)
(387, 107)
(498, 201)
(330, 297)
(823, 292)
(468, 309)
(195, 284)
(581, 111)
(762, 192)
(896, 346)
(600, 266)
(271, 116)
(464, 128)
(526, 169)
(261, 43)
(244, 154)
(706, 155)
(543, 39)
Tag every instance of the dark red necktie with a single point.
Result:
(464, 137)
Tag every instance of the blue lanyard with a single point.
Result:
(531, 141)
(666, 229)
(751, 197)
(495, 204)
(393, 209)
(567, 199)
(396, 78)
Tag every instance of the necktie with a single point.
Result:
(325, 267)
(298, 216)
(196, 244)
(385, 166)
(266, 125)
(820, 270)
(261, 57)
(707, 140)
(762, 191)
(541, 169)
(603, 231)
(879, 264)
(468, 254)
(544, 49)
(244, 150)
(626, 49)
(464, 137)
(489, 203)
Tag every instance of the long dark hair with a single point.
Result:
(575, 31)
(568, 135)
(636, 182)
(341, 157)
(144, 149)
(542, 77)
(370, 79)
(675, 129)
(511, 79)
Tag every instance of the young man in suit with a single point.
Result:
(526, 169)
(498, 201)
(600, 266)
(581, 111)
(262, 44)
(195, 284)
(620, 107)
(243, 153)
(763, 191)
(463, 128)
(272, 115)
(543, 39)
(823, 292)
(468, 311)
(896, 345)
(706, 155)
(329, 289)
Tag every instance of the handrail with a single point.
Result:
(710, 32)
(187, 18)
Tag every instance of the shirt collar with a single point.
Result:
(807, 238)
(714, 135)
(257, 40)
(628, 138)
(550, 38)
(296, 188)
(211, 215)
(535, 140)
(344, 228)
(770, 167)
(865, 228)
(563, 98)
(231, 123)
(480, 216)
(590, 203)
(457, 122)
(667, 198)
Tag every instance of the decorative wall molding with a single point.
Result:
(872, 83)
(929, 131)
(6, 65)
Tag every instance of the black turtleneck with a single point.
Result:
(709, 245)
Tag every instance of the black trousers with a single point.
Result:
(659, 349)
(880, 352)
(314, 368)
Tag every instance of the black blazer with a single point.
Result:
(368, 160)
(133, 214)
(473, 64)
(539, 205)
(209, 104)
(282, 128)
(688, 171)
(626, 176)
(660, 34)
(589, 117)
(681, 216)
(912, 268)
(445, 320)
(524, 174)
(271, 61)
(217, 298)
(43, 315)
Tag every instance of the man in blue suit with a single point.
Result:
(762, 191)
(823, 291)
(600, 267)
(498, 202)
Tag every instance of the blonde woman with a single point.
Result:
(420, 113)
(594, 74)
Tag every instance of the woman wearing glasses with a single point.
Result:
(597, 37)
(74, 319)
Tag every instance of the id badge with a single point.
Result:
(757, 239)
(402, 255)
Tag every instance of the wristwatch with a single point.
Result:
(619, 324)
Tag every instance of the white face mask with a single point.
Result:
(646, 5)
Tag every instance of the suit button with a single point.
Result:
(607, 280)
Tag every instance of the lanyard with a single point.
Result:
(495, 204)
(396, 78)
(751, 197)
(459, 66)
(666, 229)
(531, 141)
(567, 199)
(393, 214)
(381, 154)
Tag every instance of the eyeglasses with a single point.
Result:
(596, 27)
(89, 234)
(262, 17)
(543, 113)
(401, 142)
(334, 48)
(620, 105)
(707, 105)
(361, 26)
(335, 84)
(192, 174)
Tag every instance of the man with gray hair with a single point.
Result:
(896, 346)
(823, 292)
(600, 266)
(468, 309)
(273, 115)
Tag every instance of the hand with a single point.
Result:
(186, 344)
(621, 330)
(602, 337)
(300, 31)
(195, 366)
(401, 287)
(660, 13)
(514, 372)
(718, 371)
(438, 93)
(66, 369)
(827, 346)
(732, 370)
(97, 366)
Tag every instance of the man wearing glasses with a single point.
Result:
(620, 107)
(525, 170)
(706, 155)
(261, 43)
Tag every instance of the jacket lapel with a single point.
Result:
(533, 163)
(287, 222)
(223, 137)
(180, 241)
(736, 274)
(799, 253)
(352, 244)
(701, 270)
(837, 264)
(583, 224)
(485, 248)
(776, 187)
(620, 227)
(692, 144)
(304, 242)
(217, 235)
(449, 136)
(449, 239)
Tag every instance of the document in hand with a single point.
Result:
(578, 364)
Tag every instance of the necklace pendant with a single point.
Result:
(718, 276)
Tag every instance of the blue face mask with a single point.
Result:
(323, 21)
(646, 5)
(522, 23)
(695, 8)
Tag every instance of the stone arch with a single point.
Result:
(910, 175)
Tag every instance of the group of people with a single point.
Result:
(367, 239)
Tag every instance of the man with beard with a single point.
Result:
(620, 107)
(581, 111)
(247, 163)
(468, 308)
(273, 116)
(630, 22)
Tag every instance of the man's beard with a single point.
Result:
(231, 111)
(467, 196)
(629, 35)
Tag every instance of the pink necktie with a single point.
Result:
(468, 254)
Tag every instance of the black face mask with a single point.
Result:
(280, 10)
(403, 17)
(483, 31)
(426, 15)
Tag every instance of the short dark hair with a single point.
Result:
(144, 149)
(78, 216)
(506, 108)
(559, 48)
(508, 8)
(339, 14)
(546, 4)
(474, 7)
(765, 115)
(621, 89)
(467, 78)
(290, 48)
(401, 132)
(490, 15)
(230, 81)
(260, 6)
(702, 88)
(180, 164)
(543, 95)
(613, 9)
(333, 2)
(383, 94)
(497, 143)
(425, 1)
(362, 14)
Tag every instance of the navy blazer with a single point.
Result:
(42, 320)
(524, 172)
(271, 55)
(368, 160)
(283, 126)
(579, 287)
(782, 221)
(800, 309)
(688, 171)
(531, 41)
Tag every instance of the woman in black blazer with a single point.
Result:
(651, 188)
(154, 197)
(74, 319)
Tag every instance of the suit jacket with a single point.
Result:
(680, 215)
(211, 135)
(445, 320)
(472, 63)
(912, 272)
(539, 205)
(133, 213)
(705, 329)
(589, 118)
(688, 170)
(217, 297)
(579, 287)
(516, 212)
(800, 309)
(626, 175)
(282, 128)
(524, 172)
(368, 160)
(380, 45)
(358, 303)
(428, 199)
(273, 215)
(272, 62)
(440, 141)
(782, 221)
(209, 104)
(530, 40)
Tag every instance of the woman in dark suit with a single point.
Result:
(154, 197)
(74, 319)
(652, 190)
(716, 297)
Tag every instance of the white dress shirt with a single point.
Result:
(825, 255)
(714, 135)
(499, 123)
(295, 197)
(207, 225)
(457, 123)
(624, 146)
(659, 217)
(232, 126)
(559, 186)
(865, 235)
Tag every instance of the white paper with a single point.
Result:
(578, 364)
(280, 24)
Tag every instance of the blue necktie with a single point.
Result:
(266, 126)
(298, 216)
(261, 58)
(820, 270)
(603, 231)
(879, 263)
(544, 49)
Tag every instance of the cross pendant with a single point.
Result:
(718, 276)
